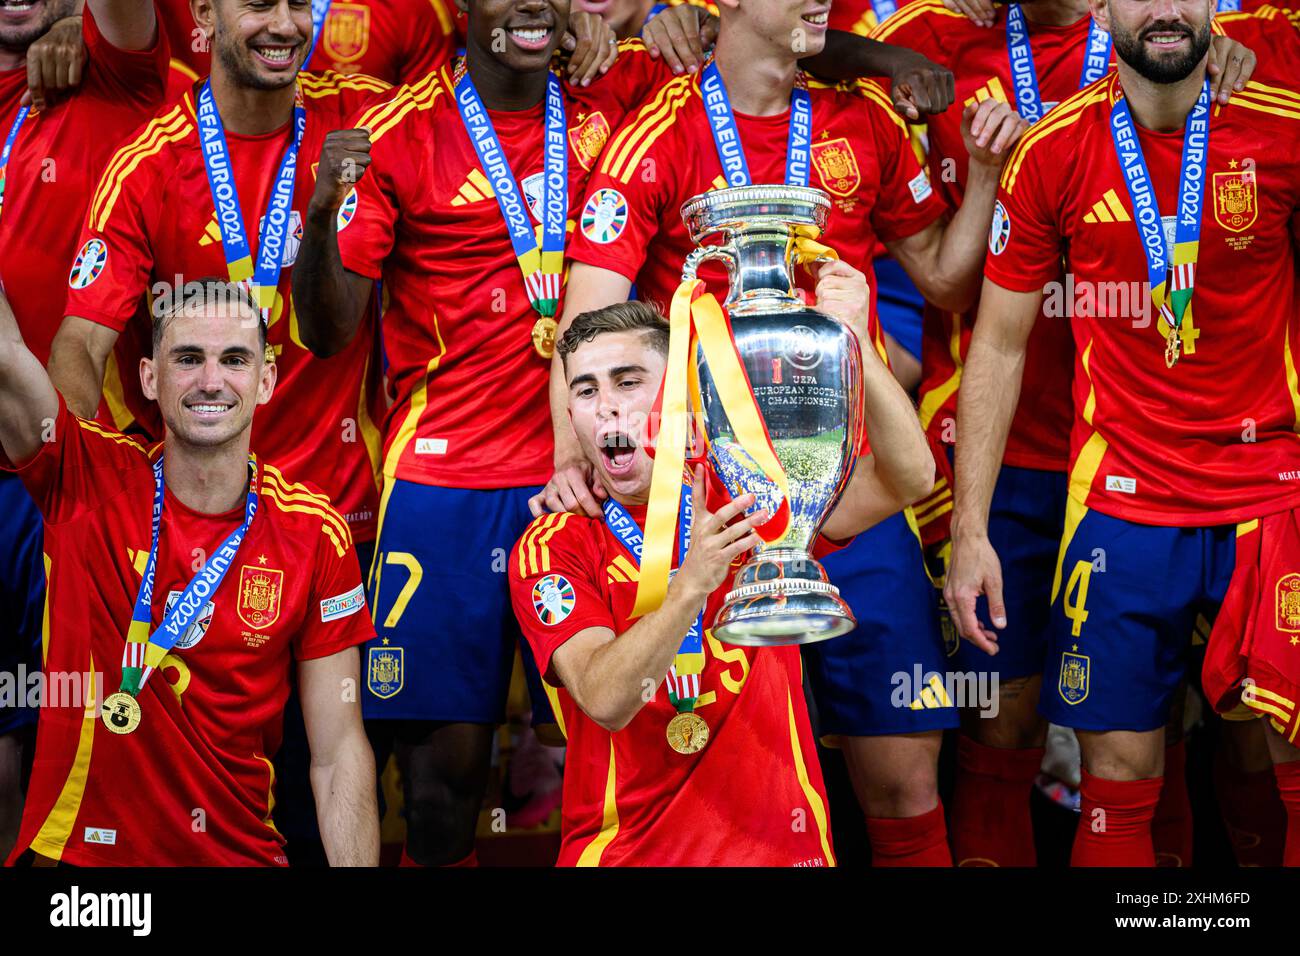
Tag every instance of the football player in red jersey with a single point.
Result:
(999, 755)
(176, 769)
(468, 440)
(652, 780)
(153, 225)
(55, 155)
(1169, 492)
(859, 153)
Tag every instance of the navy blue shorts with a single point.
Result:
(887, 676)
(1124, 605)
(899, 304)
(1026, 520)
(441, 604)
(22, 596)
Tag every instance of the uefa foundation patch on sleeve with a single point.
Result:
(343, 605)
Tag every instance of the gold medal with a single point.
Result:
(121, 713)
(1173, 347)
(688, 733)
(544, 330)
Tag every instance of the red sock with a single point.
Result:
(471, 860)
(1252, 813)
(1171, 830)
(909, 841)
(1115, 822)
(1288, 787)
(990, 810)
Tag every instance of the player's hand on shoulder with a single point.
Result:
(842, 292)
(591, 45)
(978, 12)
(991, 130)
(974, 570)
(682, 35)
(717, 539)
(918, 86)
(1231, 65)
(54, 62)
(573, 487)
(344, 158)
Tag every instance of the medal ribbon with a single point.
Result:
(319, 11)
(1171, 289)
(542, 269)
(1229, 6)
(144, 651)
(726, 136)
(883, 9)
(9, 148)
(265, 277)
(688, 663)
(1029, 102)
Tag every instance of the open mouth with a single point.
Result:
(531, 38)
(818, 19)
(277, 56)
(619, 450)
(18, 9)
(1166, 38)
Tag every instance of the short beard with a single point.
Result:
(1164, 70)
(235, 58)
(18, 39)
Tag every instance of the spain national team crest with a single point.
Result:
(1073, 685)
(1236, 195)
(837, 166)
(90, 263)
(259, 596)
(553, 599)
(1288, 603)
(345, 37)
(588, 138)
(385, 671)
(604, 216)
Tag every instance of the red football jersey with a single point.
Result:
(152, 219)
(977, 56)
(471, 407)
(1213, 439)
(1273, 35)
(193, 784)
(665, 154)
(629, 798)
(55, 164)
(399, 41)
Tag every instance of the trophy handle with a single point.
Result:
(724, 253)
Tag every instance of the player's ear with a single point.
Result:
(266, 381)
(149, 379)
(1100, 12)
(205, 15)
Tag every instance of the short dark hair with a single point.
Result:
(631, 316)
(202, 294)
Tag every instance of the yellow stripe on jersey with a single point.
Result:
(630, 570)
(53, 835)
(593, 851)
(873, 91)
(329, 83)
(1065, 114)
(655, 117)
(543, 543)
(934, 399)
(444, 17)
(810, 793)
(95, 429)
(553, 696)
(909, 12)
(419, 96)
(292, 492)
(1292, 379)
(527, 556)
(1263, 89)
(1268, 100)
(419, 401)
(45, 612)
(341, 544)
(270, 792)
(171, 128)
(183, 68)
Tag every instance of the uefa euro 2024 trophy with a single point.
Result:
(805, 369)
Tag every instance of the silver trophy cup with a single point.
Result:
(805, 369)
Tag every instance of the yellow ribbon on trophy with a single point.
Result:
(695, 311)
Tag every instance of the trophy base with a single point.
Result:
(780, 598)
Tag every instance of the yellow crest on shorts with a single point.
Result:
(1288, 603)
(1073, 683)
(345, 37)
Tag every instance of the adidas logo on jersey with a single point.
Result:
(475, 188)
(993, 89)
(1108, 209)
